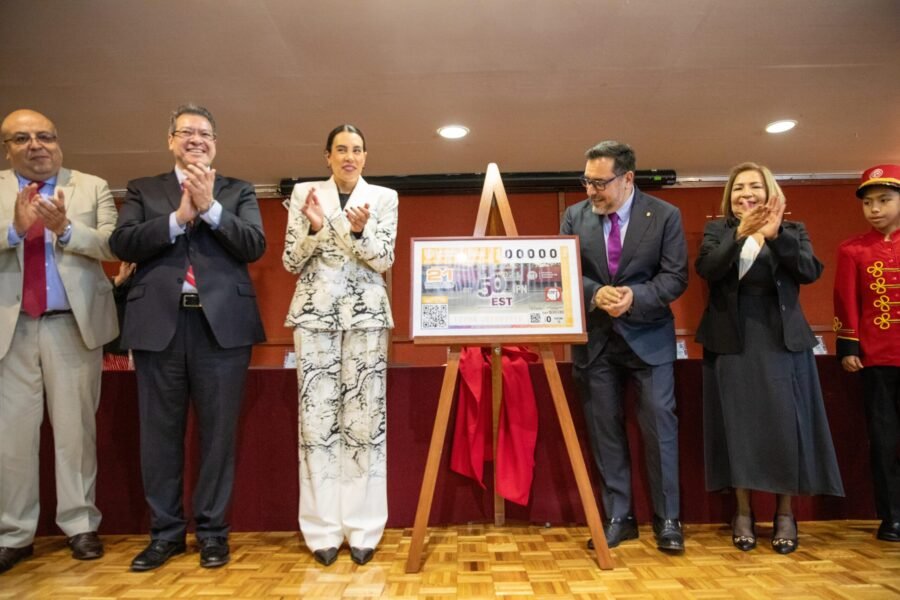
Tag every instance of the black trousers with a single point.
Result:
(193, 369)
(602, 387)
(881, 389)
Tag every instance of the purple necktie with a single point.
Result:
(613, 244)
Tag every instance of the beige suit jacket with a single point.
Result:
(92, 212)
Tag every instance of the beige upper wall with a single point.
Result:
(689, 83)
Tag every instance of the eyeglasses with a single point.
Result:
(597, 184)
(45, 138)
(206, 136)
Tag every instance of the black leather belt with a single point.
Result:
(55, 313)
(190, 301)
(752, 290)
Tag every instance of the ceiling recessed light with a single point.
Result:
(453, 132)
(781, 126)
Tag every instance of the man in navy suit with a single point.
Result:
(191, 320)
(634, 264)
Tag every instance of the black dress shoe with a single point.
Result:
(669, 537)
(9, 557)
(156, 554)
(889, 532)
(214, 552)
(361, 555)
(326, 556)
(86, 546)
(618, 530)
(780, 542)
(744, 543)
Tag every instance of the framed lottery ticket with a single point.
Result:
(494, 290)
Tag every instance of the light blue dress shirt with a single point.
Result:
(56, 292)
(624, 213)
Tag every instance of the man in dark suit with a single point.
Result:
(634, 264)
(191, 320)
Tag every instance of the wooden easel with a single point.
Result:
(494, 203)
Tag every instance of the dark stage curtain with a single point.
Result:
(266, 489)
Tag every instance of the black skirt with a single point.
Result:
(764, 421)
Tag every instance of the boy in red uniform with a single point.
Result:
(867, 323)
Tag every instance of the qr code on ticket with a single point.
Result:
(434, 316)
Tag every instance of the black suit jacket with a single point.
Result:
(219, 258)
(653, 264)
(792, 263)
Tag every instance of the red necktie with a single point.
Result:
(34, 280)
(189, 276)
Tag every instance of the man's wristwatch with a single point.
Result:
(66, 231)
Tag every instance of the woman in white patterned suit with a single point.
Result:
(340, 239)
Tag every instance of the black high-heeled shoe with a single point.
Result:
(325, 556)
(781, 544)
(744, 543)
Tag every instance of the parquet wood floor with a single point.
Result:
(836, 559)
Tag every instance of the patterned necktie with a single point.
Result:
(34, 279)
(189, 276)
(613, 244)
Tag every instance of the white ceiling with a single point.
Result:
(689, 83)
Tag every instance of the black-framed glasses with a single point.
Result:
(206, 136)
(597, 184)
(44, 138)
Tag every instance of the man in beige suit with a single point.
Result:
(56, 312)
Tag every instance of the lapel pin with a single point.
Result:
(648, 213)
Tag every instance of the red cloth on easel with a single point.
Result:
(517, 436)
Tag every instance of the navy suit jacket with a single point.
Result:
(219, 258)
(791, 262)
(653, 264)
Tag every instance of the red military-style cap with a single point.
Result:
(888, 175)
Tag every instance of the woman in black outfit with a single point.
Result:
(764, 419)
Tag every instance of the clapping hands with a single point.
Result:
(31, 206)
(196, 193)
(763, 220)
(312, 209)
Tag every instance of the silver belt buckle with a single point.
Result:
(191, 301)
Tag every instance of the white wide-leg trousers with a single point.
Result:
(343, 443)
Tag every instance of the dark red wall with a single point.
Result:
(830, 212)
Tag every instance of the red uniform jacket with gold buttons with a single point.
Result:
(867, 299)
